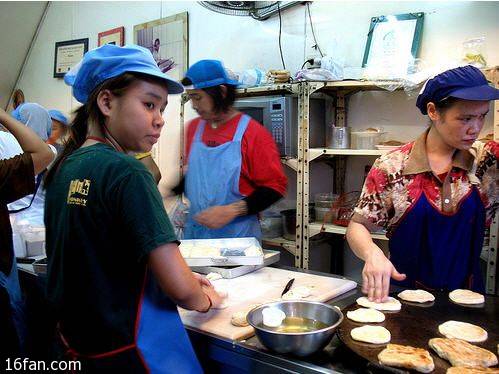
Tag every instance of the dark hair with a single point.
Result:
(18, 98)
(220, 103)
(443, 105)
(90, 112)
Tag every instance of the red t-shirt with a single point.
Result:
(261, 164)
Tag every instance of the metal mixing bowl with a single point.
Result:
(298, 343)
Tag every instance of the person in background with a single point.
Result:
(35, 117)
(38, 119)
(115, 273)
(234, 170)
(59, 129)
(17, 178)
(434, 195)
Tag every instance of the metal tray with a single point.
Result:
(232, 252)
(230, 272)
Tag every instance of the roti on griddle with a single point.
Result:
(466, 297)
(461, 353)
(416, 296)
(366, 315)
(408, 357)
(371, 334)
(391, 304)
(463, 330)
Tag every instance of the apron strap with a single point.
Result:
(241, 127)
(199, 131)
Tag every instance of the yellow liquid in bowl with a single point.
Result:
(296, 324)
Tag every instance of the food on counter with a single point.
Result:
(239, 318)
(253, 251)
(213, 277)
(416, 296)
(466, 297)
(366, 315)
(371, 334)
(463, 330)
(391, 304)
(471, 370)
(408, 357)
(188, 251)
(297, 293)
(461, 353)
(272, 317)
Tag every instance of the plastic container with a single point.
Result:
(271, 225)
(326, 215)
(366, 139)
(325, 199)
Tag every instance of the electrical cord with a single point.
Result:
(309, 61)
(316, 46)
(280, 27)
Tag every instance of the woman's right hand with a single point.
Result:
(376, 276)
(216, 298)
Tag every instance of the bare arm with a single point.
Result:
(377, 269)
(178, 282)
(152, 167)
(29, 141)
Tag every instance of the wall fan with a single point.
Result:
(259, 10)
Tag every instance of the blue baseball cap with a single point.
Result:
(465, 82)
(58, 116)
(109, 61)
(209, 73)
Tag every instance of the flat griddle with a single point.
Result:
(415, 324)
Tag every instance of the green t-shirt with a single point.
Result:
(103, 215)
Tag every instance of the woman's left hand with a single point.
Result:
(217, 216)
(203, 281)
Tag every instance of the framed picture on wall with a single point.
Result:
(67, 54)
(393, 41)
(167, 39)
(115, 36)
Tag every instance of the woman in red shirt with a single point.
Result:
(234, 168)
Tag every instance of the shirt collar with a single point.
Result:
(418, 160)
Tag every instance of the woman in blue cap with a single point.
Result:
(115, 274)
(59, 129)
(434, 195)
(234, 169)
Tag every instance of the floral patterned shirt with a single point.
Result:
(398, 178)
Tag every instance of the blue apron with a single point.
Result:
(438, 250)
(161, 344)
(11, 284)
(212, 180)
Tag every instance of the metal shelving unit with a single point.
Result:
(340, 91)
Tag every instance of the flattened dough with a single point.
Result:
(392, 304)
(371, 334)
(466, 297)
(366, 315)
(416, 296)
(463, 330)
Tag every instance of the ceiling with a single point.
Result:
(18, 24)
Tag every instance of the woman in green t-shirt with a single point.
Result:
(115, 274)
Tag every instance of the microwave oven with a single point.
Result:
(279, 115)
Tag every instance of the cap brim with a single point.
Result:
(479, 93)
(172, 85)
